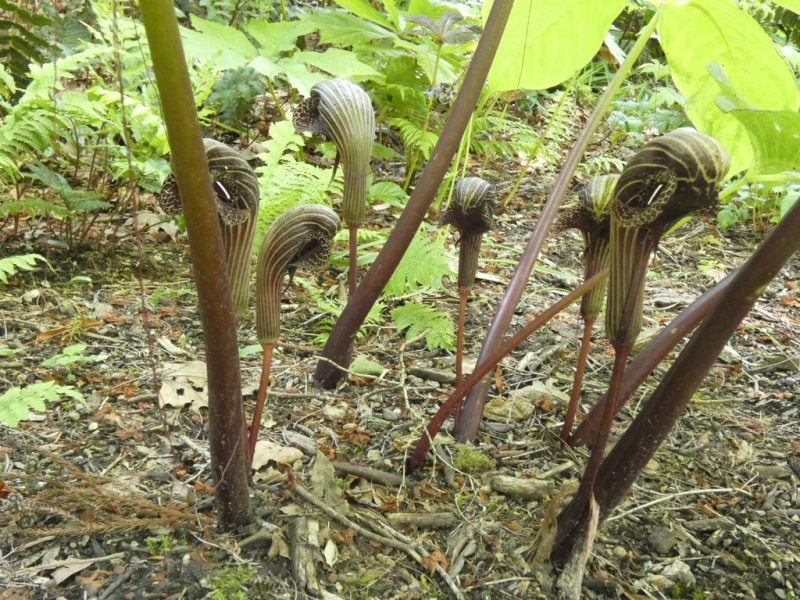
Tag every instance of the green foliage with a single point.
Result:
(16, 403)
(22, 40)
(424, 265)
(72, 355)
(721, 33)
(546, 28)
(424, 320)
(271, 50)
(11, 265)
(231, 583)
(286, 182)
(235, 93)
(158, 546)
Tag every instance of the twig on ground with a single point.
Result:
(397, 541)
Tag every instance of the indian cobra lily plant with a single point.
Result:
(342, 111)
(236, 188)
(300, 235)
(470, 212)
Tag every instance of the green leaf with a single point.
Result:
(365, 10)
(695, 34)
(424, 265)
(344, 29)
(300, 77)
(388, 192)
(265, 66)
(10, 265)
(228, 46)
(787, 202)
(342, 64)
(361, 365)
(547, 41)
(16, 403)
(281, 36)
(420, 319)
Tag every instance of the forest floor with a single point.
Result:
(114, 499)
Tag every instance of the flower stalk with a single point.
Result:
(669, 178)
(592, 216)
(470, 213)
(300, 235)
(342, 111)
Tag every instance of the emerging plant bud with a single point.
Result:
(301, 234)
(669, 178)
(236, 188)
(470, 212)
(591, 215)
(342, 111)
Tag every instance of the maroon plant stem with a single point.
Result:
(469, 420)
(651, 356)
(261, 399)
(225, 410)
(463, 294)
(577, 382)
(338, 349)
(352, 276)
(669, 400)
(482, 368)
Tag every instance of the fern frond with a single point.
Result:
(11, 265)
(414, 137)
(16, 403)
(33, 207)
(434, 325)
(424, 265)
(22, 40)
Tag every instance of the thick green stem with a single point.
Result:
(470, 418)
(225, 410)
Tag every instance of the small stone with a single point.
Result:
(662, 540)
(780, 594)
(773, 471)
(527, 489)
(777, 576)
(619, 552)
(93, 426)
(679, 572)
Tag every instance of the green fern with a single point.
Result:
(422, 320)
(285, 182)
(21, 39)
(414, 137)
(424, 265)
(11, 265)
(16, 403)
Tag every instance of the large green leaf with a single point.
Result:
(340, 63)
(547, 41)
(228, 46)
(344, 29)
(698, 33)
(281, 36)
(365, 10)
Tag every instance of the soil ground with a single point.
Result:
(113, 499)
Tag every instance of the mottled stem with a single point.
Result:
(463, 294)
